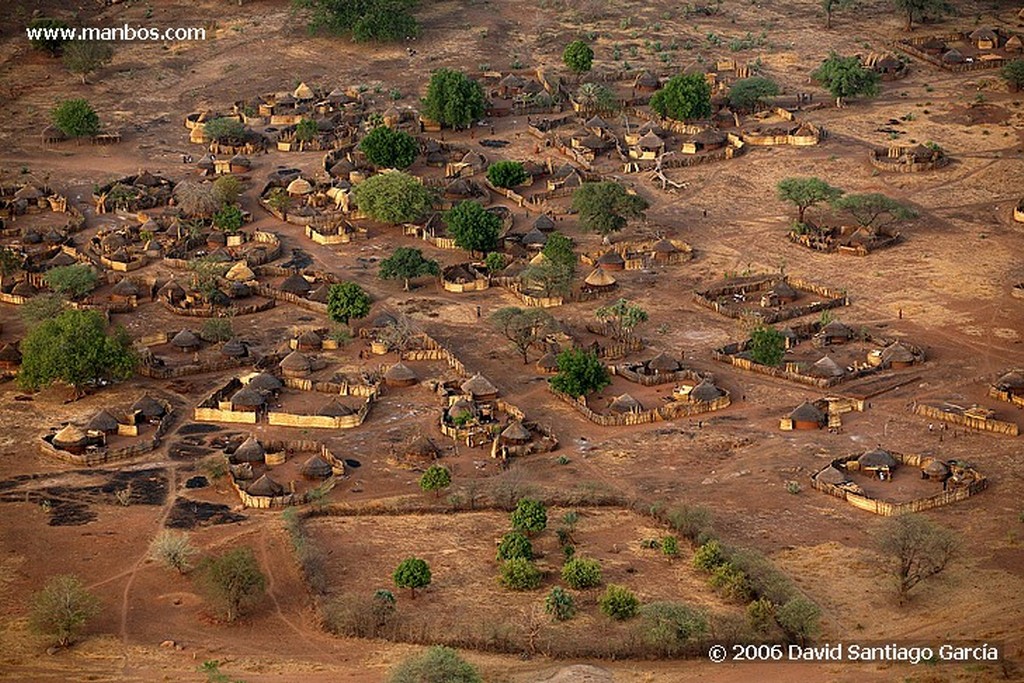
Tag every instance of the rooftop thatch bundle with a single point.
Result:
(250, 450)
(897, 353)
(335, 409)
(299, 187)
(172, 292)
(877, 459)
(234, 348)
(309, 340)
(663, 363)
(400, 373)
(295, 284)
(265, 486)
(125, 288)
(936, 469)
(247, 398)
(72, 436)
(807, 412)
(422, 448)
(265, 382)
(544, 223)
(706, 392)
(826, 367)
(149, 407)
(599, 278)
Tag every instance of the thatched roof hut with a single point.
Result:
(149, 407)
(295, 284)
(625, 404)
(247, 398)
(186, 340)
(896, 355)
(335, 409)
(936, 469)
(400, 375)
(125, 289)
(835, 332)
(102, 421)
(250, 450)
(265, 382)
(265, 486)
(832, 475)
(544, 223)
(548, 363)
(807, 416)
(234, 348)
(515, 433)
(320, 294)
(10, 357)
(461, 406)
(299, 187)
(599, 279)
(309, 341)
(316, 468)
(826, 367)
(1012, 382)
(172, 292)
(480, 388)
(611, 260)
(422, 448)
(240, 272)
(296, 364)
(24, 288)
(71, 437)
(706, 392)
(663, 363)
(877, 459)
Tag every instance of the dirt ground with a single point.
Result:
(950, 279)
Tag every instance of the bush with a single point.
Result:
(515, 545)
(75, 118)
(412, 573)
(730, 582)
(235, 582)
(347, 300)
(761, 615)
(368, 20)
(387, 148)
(530, 516)
(437, 665)
(506, 173)
(217, 330)
(72, 282)
(683, 97)
(52, 44)
(578, 56)
(229, 219)
(693, 523)
(453, 99)
(62, 608)
(225, 130)
(173, 550)
(619, 603)
(580, 372)
(581, 573)
(799, 618)
(473, 227)
(669, 626)
(520, 574)
(436, 479)
(709, 556)
(670, 546)
(767, 345)
(560, 604)
(82, 57)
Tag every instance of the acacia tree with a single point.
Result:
(580, 373)
(767, 345)
(387, 148)
(347, 300)
(506, 173)
(593, 96)
(436, 478)
(75, 118)
(606, 207)
(62, 608)
(235, 582)
(453, 99)
(555, 271)
(82, 57)
(406, 263)
(412, 573)
(687, 96)
(874, 210)
(919, 10)
(74, 348)
(363, 20)
(473, 227)
(846, 77)
(523, 326)
(623, 317)
(394, 197)
(749, 93)
(916, 549)
(73, 281)
(805, 193)
(578, 56)
(225, 130)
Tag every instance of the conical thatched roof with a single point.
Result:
(149, 407)
(299, 186)
(544, 223)
(61, 259)
(599, 278)
(320, 294)
(478, 385)
(172, 291)
(317, 468)
(836, 329)
(102, 421)
(611, 258)
(71, 435)
(125, 288)
(664, 246)
(265, 486)
(832, 475)
(784, 290)
(295, 284)
(650, 141)
(461, 406)
(234, 348)
(936, 468)
(807, 412)
(265, 382)
(663, 363)
(28, 192)
(247, 397)
(423, 448)
(516, 432)
(384, 320)
(534, 238)
(296, 361)
(548, 361)
(626, 404)
(400, 372)
(185, 339)
(251, 450)
(1011, 380)
(24, 288)
(706, 392)
(826, 367)
(310, 339)
(240, 272)
(897, 353)
(335, 409)
(303, 92)
(877, 458)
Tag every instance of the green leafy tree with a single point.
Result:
(623, 318)
(453, 99)
(383, 21)
(75, 118)
(581, 573)
(799, 619)
(227, 189)
(594, 96)
(347, 300)
(560, 604)
(234, 582)
(11, 261)
(436, 665)
(831, 6)
(670, 627)
(495, 261)
(761, 615)
(709, 556)
(524, 327)
(306, 130)
(229, 219)
(388, 148)
(846, 77)
(82, 57)
(874, 210)
(915, 549)
(805, 193)
(670, 546)
(919, 10)
(62, 608)
(555, 272)
(1013, 72)
(412, 573)
(580, 373)
(217, 330)
(515, 544)
(578, 56)
(41, 308)
(436, 479)
(393, 198)
(506, 173)
(406, 263)
(52, 43)
(605, 207)
(530, 516)
(767, 345)
(618, 602)
(750, 93)
(520, 574)
(74, 281)
(75, 348)
(473, 227)
(226, 130)
(684, 97)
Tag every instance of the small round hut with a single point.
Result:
(515, 434)
(400, 375)
(625, 404)
(250, 451)
(807, 416)
(186, 340)
(480, 388)
(296, 364)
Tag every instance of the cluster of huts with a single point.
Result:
(252, 467)
(983, 47)
(89, 443)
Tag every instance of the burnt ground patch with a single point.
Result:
(196, 428)
(188, 514)
(187, 450)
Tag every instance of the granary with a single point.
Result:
(877, 461)
(296, 364)
(705, 392)
(125, 290)
(250, 451)
(515, 434)
(234, 348)
(663, 364)
(646, 82)
(544, 223)
(599, 279)
(247, 398)
(480, 388)
(834, 333)
(265, 382)
(935, 470)
(265, 486)
(316, 468)
(1012, 383)
(185, 340)
(826, 368)
(984, 38)
(148, 409)
(335, 409)
(625, 404)
(400, 375)
(240, 272)
(295, 284)
(611, 260)
(103, 422)
(309, 341)
(897, 356)
(807, 416)
(548, 363)
(72, 439)
(10, 358)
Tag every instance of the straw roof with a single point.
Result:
(250, 450)
(1011, 380)
(400, 372)
(836, 329)
(149, 407)
(832, 475)
(240, 272)
(28, 192)
(461, 406)
(309, 338)
(478, 385)
(650, 141)
(317, 468)
(647, 80)
(807, 412)
(320, 294)
(626, 404)
(384, 320)
(611, 258)
(599, 278)
(247, 397)
(548, 361)
(534, 238)
(102, 421)
(172, 291)
(335, 409)
(544, 223)
(303, 92)
(234, 348)
(706, 392)
(984, 33)
(265, 486)
(125, 288)
(826, 367)
(71, 435)
(784, 290)
(953, 56)
(597, 122)
(299, 186)
(185, 339)
(24, 288)
(877, 458)
(663, 363)
(422, 447)
(296, 361)
(897, 353)
(936, 468)
(516, 432)
(265, 382)
(61, 259)
(664, 246)
(295, 284)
